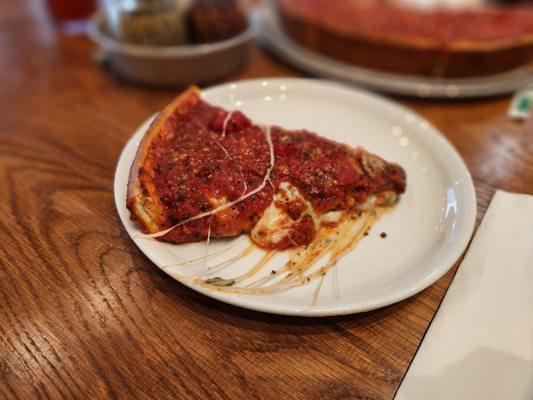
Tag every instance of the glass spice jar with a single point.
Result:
(173, 22)
(150, 22)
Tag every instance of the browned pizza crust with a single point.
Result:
(143, 201)
(404, 55)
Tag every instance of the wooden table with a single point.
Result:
(83, 314)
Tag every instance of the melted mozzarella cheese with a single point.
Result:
(332, 217)
(275, 223)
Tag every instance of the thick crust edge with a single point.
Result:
(142, 199)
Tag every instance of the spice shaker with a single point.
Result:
(174, 22)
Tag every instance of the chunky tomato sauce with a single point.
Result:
(198, 166)
(391, 18)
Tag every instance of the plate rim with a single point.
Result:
(271, 35)
(432, 131)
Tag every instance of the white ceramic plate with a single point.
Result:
(274, 38)
(427, 231)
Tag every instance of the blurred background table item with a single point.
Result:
(70, 16)
(84, 314)
(429, 48)
(172, 42)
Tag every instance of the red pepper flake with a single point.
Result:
(383, 235)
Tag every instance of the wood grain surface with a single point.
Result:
(83, 314)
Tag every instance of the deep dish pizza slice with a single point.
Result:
(201, 171)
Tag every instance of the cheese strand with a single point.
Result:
(224, 125)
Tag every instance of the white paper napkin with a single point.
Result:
(480, 343)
